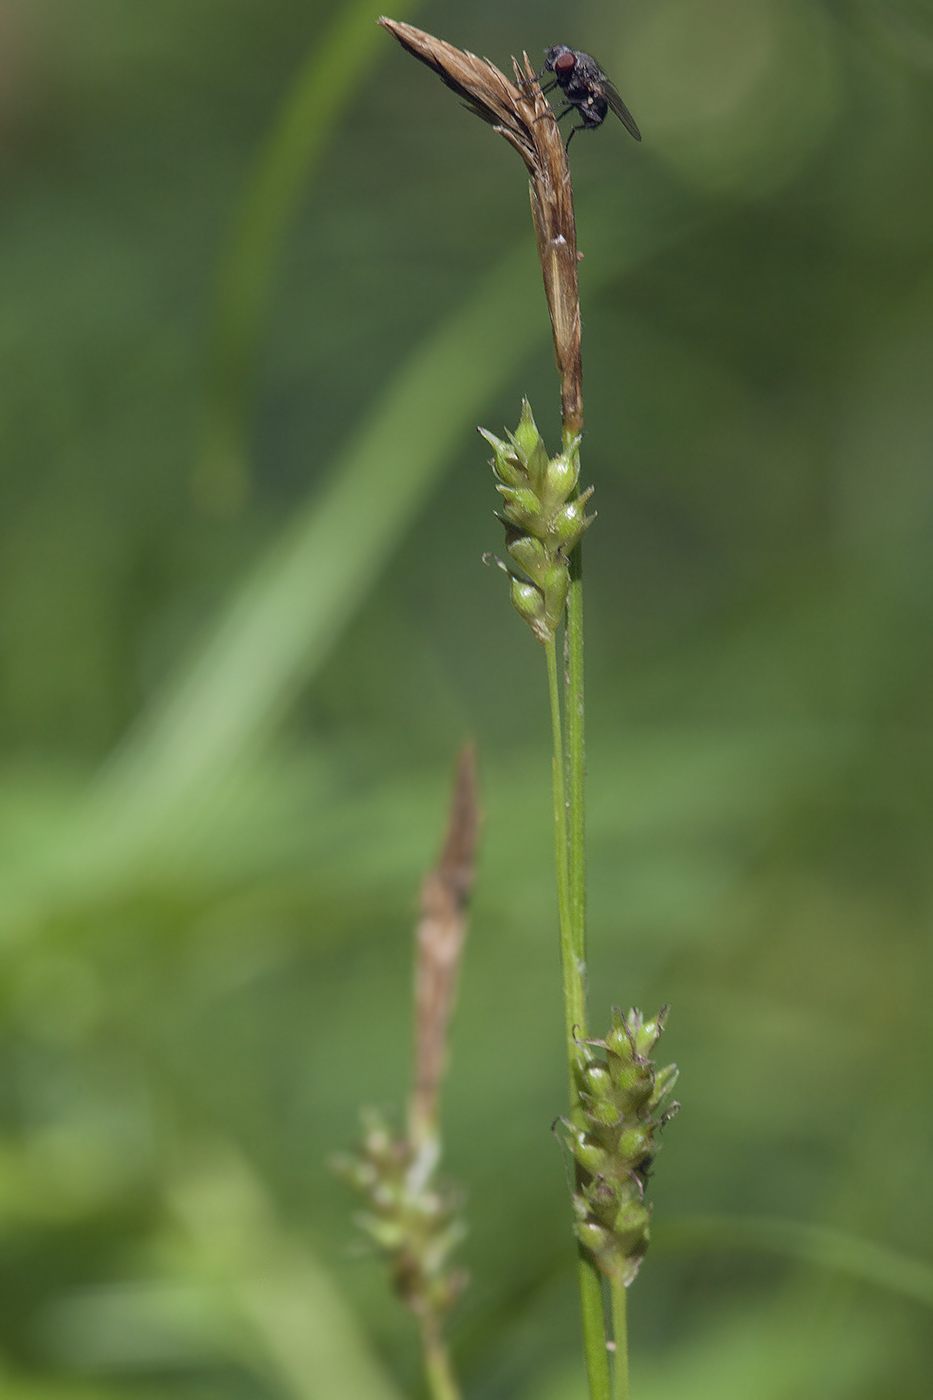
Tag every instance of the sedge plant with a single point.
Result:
(412, 1215)
(618, 1099)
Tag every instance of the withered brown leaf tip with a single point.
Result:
(439, 944)
(519, 112)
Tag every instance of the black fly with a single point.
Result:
(587, 89)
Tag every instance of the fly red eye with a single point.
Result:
(565, 63)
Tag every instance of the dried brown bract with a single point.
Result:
(439, 939)
(520, 113)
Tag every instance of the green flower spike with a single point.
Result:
(411, 1220)
(543, 519)
(625, 1102)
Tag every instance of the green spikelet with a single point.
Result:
(625, 1102)
(411, 1219)
(543, 518)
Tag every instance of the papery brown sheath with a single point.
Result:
(519, 112)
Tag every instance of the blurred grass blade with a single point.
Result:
(283, 1305)
(813, 1244)
(285, 617)
(326, 84)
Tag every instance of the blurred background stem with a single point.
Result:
(442, 1383)
(314, 103)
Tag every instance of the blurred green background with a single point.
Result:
(261, 276)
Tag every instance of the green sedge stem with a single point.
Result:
(593, 1318)
(576, 757)
(591, 1289)
(574, 1007)
(620, 1334)
(576, 761)
(568, 773)
(591, 1284)
(442, 1384)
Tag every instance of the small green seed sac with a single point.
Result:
(596, 1078)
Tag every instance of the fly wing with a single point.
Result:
(619, 107)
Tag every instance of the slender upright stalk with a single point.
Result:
(620, 1336)
(591, 1285)
(593, 1322)
(574, 1006)
(576, 758)
(573, 968)
(442, 1384)
(569, 834)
